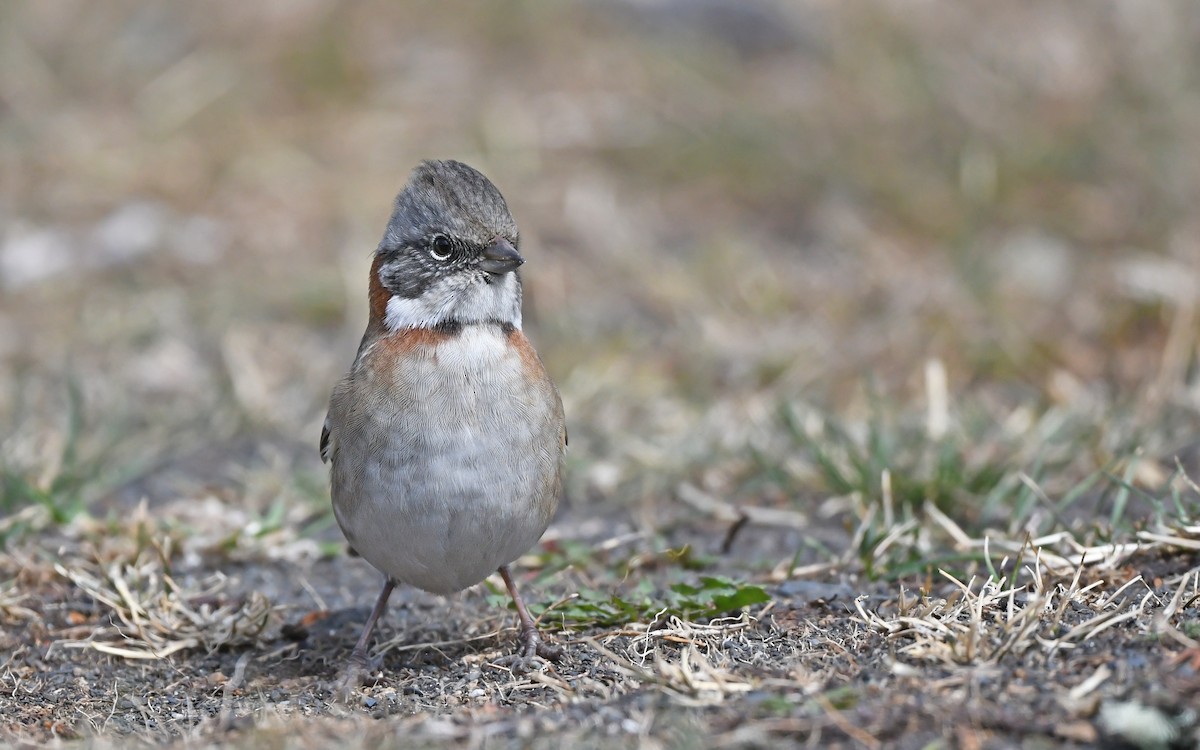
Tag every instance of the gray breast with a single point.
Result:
(455, 469)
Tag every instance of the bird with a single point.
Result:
(446, 439)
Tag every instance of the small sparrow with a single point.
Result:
(446, 438)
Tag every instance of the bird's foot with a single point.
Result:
(358, 671)
(533, 654)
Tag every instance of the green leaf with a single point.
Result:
(743, 597)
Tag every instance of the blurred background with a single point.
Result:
(745, 220)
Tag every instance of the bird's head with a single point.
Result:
(449, 255)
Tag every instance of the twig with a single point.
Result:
(723, 511)
(841, 722)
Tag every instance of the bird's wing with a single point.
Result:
(326, 443)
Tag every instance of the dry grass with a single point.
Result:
(1001, 619)
(889, 308)
(153, 616)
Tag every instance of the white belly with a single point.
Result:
(449, 474)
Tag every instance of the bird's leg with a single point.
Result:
(359, 662)
(532, 648)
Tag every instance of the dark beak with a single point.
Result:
(500, 257)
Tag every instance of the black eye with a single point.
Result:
(440, 247)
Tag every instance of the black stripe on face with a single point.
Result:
(405, 275)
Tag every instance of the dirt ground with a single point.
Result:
(876, 326)
(829, 661)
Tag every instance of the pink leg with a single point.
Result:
(359, 662)
(533, 648)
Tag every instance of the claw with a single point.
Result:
(360, 670)
(533, 655)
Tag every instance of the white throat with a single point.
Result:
(461, 299)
